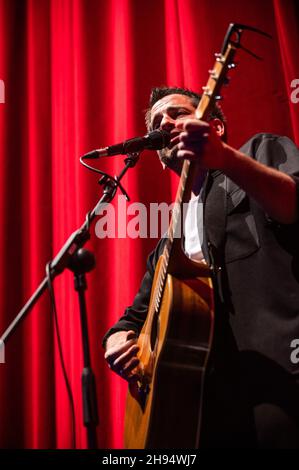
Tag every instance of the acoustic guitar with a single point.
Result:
(164, 407)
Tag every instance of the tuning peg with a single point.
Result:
(206, 91)
(213, 74)
(218, 97)
(232, 65)
(219, 57)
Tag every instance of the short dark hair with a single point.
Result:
(158, 93)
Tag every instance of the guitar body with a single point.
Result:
(164, 407)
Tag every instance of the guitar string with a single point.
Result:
(209, 94)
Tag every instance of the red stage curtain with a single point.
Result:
(77, 75)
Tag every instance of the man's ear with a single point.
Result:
(218, 125)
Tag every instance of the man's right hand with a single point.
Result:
(121, 354)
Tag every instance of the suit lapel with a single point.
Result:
(214, 214)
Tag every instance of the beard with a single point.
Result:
(170, 159)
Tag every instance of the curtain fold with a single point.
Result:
(77, 76)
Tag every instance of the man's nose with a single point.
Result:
(167, 123)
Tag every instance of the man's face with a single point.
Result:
(165, 114)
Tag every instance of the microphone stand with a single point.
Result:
(80, 261)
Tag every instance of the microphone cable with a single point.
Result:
(62, 362)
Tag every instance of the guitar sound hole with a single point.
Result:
(154, 331)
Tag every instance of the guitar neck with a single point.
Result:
(172, 253)
(211, 93)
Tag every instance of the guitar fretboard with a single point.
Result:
(211, 93)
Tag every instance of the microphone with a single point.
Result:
(154, 140)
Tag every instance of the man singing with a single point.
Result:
(252, 387)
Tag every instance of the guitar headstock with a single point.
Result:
(217, 78)
(224, 62)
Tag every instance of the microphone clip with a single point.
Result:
(112, 183)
